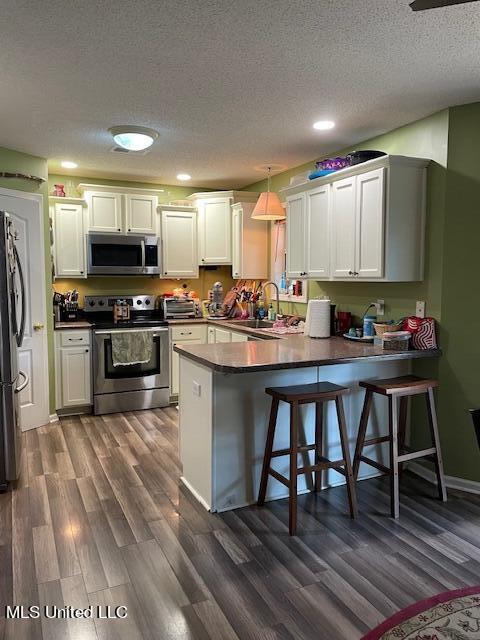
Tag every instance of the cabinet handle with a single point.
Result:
(75, 339)
(185, 333)
(81, 272)
(86, 350)
(118, 229)
(129, 229)
(351, 273)
(203, 259)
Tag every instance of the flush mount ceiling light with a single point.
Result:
(68, 164)
(323, 125)
(184, 176)
(133, 138)
(268, 205)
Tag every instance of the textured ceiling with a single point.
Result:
(228, 84)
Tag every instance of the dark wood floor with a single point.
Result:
(100, 518)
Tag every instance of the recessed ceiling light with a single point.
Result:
(133, 138)
(184, 176)
(323, 125)
(68, 164)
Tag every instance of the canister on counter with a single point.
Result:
(368, 328)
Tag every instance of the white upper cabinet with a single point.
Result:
(141, 213)
(179, 242)
(370, 217)
(215, 231)
(105, 212)
(317, 233)
(249, 244)
(120, 209)
(296, 256)
(69, 245)
(343, 227)
(365, 222)
(215, 224)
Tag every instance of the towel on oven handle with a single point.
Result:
(131, 347)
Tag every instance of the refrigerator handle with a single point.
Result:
(21, 331)
(25, 382)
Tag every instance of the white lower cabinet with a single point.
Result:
(73, 368)
(187, 334)
(221, 334)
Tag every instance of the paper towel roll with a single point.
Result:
(317, 322)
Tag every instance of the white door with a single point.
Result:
(237, 243)
(179, 244)
(343, 228)
(296, 236)
(69, 241)
(222, 335)
(318, 232)
(141, 213)
(215, 230)
(105, 212)
(27, 214)
(211, 335)
(370, 243)
(75, 376)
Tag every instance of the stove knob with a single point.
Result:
(139, 302)
(147, 302)
(100, 304)
(92, 303)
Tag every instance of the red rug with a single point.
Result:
(453, 615)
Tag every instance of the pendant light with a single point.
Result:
(268, 205)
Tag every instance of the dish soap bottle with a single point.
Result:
(271, 313)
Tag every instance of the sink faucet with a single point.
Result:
(274, 284)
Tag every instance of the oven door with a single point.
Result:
(122, 255)
(135, 377)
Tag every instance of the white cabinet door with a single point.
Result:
(75, 376)
(211, 335)
(370, 216)
(237, 243)
(215, 231)
(69, 241)
(343, 228)
(239, 337)
(175, 365)
(105, 212)
(179, 244)
(296, 267)
(318, 232)
(222, 335)
(141, 213)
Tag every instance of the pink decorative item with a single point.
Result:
(59, 190)
(423, 332)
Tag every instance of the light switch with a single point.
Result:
(380, 304)
(420, 309)
(196, 388)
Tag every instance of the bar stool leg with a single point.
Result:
(362, 430)
(432, 420)
(318, 442)
(402, 428)
(267, 458)
(352, 496)
(394, 484)
(292, 502)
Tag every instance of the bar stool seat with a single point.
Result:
(398, 391)
(295, 395)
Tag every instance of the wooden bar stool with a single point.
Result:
(398, 391)
(318, 393)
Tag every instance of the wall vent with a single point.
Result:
(130, 153)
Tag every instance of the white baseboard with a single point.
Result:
(53, 417)
(452, 482)
(195, 493)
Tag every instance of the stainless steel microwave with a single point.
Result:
(122, 255)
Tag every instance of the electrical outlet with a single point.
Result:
(420, 309)
(380, 304)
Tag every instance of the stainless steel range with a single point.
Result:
(132, 386)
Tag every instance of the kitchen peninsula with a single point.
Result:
(224, 409)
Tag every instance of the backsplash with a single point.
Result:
(110, 285)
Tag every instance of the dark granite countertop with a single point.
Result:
(290, 352)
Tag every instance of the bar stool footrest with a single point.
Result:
(378, 440)
(374, 463)
(413, 455)
(286, 452)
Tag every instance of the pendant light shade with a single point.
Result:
(268, 205)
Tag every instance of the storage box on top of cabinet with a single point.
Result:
(215, 224)
(364, 223)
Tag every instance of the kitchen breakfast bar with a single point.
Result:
(224, 410)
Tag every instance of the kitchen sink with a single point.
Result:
(253, 324)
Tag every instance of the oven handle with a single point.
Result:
(156, 331)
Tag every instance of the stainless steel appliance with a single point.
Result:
(135, 386)
(12, 326)
(122, 255)
(180, 308)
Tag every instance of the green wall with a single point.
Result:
(15, 162)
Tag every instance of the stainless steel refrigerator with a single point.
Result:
(12, 326)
